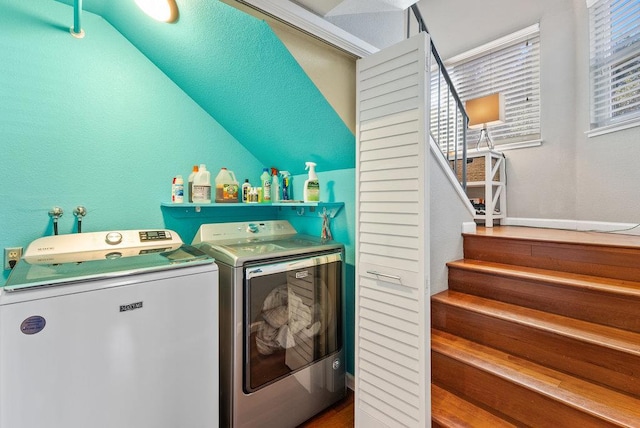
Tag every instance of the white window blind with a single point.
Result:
(614, 62)
(511, 66)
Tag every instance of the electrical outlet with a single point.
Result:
(10, 255)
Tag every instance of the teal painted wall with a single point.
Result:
(236, 68)
(94, 122)
(336, 186)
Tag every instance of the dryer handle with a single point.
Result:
(273, 268)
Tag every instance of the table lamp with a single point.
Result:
(483, 112)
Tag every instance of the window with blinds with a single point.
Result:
(509, 65)
(614, 27)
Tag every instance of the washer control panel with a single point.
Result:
(154, 235)
(67, 247)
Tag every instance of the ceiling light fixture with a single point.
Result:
(160, 10)
(76, 30)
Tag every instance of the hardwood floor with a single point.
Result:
(340, 415)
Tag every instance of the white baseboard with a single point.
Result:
(469, 227)
(351, 382)
(581, 225)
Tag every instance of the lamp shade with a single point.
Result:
(487, 110)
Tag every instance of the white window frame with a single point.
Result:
(614, 65)
(504, 136)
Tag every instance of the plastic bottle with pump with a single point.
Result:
(275, 186)
(202, 186)
(311, 185)
(190, 182)
(265, 179)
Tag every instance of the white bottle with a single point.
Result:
(311, 185)
(275, 186)
(202, 186)
(177, 191)
(265, 180)
(190, 181)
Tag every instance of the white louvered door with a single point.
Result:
(392, 350)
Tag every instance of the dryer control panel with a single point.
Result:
(215, 232)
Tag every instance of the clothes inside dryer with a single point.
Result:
(293, 318)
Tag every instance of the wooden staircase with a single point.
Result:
(538, 328)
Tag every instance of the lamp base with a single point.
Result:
(485, 134)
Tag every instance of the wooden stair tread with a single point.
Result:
(611, 406)
(560, 236)
(449, 410)
(601, 335)
(567, 279)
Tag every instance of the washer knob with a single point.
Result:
(113, 238)
(113, 256)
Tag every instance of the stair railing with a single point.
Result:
(448, 117)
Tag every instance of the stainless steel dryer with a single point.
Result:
(281, 322)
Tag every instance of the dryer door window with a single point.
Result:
(292, 317)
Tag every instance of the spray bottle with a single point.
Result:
(311, 185)
(286, 185)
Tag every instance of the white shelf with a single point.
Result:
(483, 183)
(495, 191)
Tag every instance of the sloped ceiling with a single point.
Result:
(237, 70)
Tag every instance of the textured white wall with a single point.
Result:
(608, 166)
(532, 173)
(570, 176)
(447, 214)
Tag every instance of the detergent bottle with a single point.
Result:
(177, 195)
(202, 186)
(246, 190)
(311, 185)
(265, 180)
(226, 186)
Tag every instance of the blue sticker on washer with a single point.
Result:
(33, 325)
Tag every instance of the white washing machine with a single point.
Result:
(110, 329)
